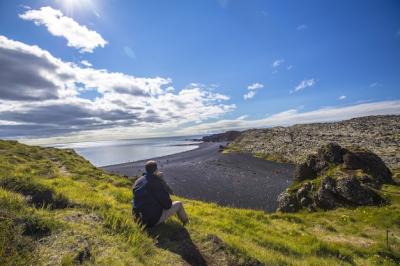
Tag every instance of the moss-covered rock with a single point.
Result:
(287, 202)
(340, 178)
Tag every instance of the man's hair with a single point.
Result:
(151, 167)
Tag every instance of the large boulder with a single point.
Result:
(304, 172)
(370, 163)
(331, 153)
(303, 195)
(345, 191)
(326, 195)
(351, 189)
(343, 187)
(303, 191)
(292, 202)
(315, 164)
(369, 181)
(287, 202)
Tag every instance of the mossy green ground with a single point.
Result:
(87, 219)
(275, 157)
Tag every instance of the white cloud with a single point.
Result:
(46, 102)
(293, 116)
(304, 84)
(343, 97)
(249, 95)
(302, 27)
(78, 36)
(252, 90)
(255, 86)
(278, 62)
(86, 63)
(289, 67)
(242, 117)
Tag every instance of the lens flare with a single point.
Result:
(70, 7)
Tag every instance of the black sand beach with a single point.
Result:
(237, 180)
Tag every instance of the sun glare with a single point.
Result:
(72, 6)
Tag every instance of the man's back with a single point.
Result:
(150, 198)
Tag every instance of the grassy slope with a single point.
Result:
(98, 221)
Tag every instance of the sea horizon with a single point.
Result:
(110, 152)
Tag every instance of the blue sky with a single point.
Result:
(239, 63)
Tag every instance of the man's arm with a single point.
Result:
(161, 194)
(166, 186)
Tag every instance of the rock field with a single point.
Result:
(379, 134)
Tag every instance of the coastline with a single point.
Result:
(154, 158)
(105, 153)
(204, 173)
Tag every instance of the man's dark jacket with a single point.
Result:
(150, 197)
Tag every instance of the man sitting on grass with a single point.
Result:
(152, 204)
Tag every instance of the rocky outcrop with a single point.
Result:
(316, 163)
(222, 137)
(336, 177)
(353, 191)
(326, 195)
(369, 163)
(346, 191)
(379, 134)
(287, 202)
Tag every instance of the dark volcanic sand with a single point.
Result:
(237, 180)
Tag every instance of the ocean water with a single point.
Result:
(102, 153)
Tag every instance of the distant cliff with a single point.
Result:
(379, 134)
(227, 136)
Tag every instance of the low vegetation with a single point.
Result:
(56, 208)
(275, 157)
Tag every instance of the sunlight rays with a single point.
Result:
(73, 6)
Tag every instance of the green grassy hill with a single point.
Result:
(56, 208)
